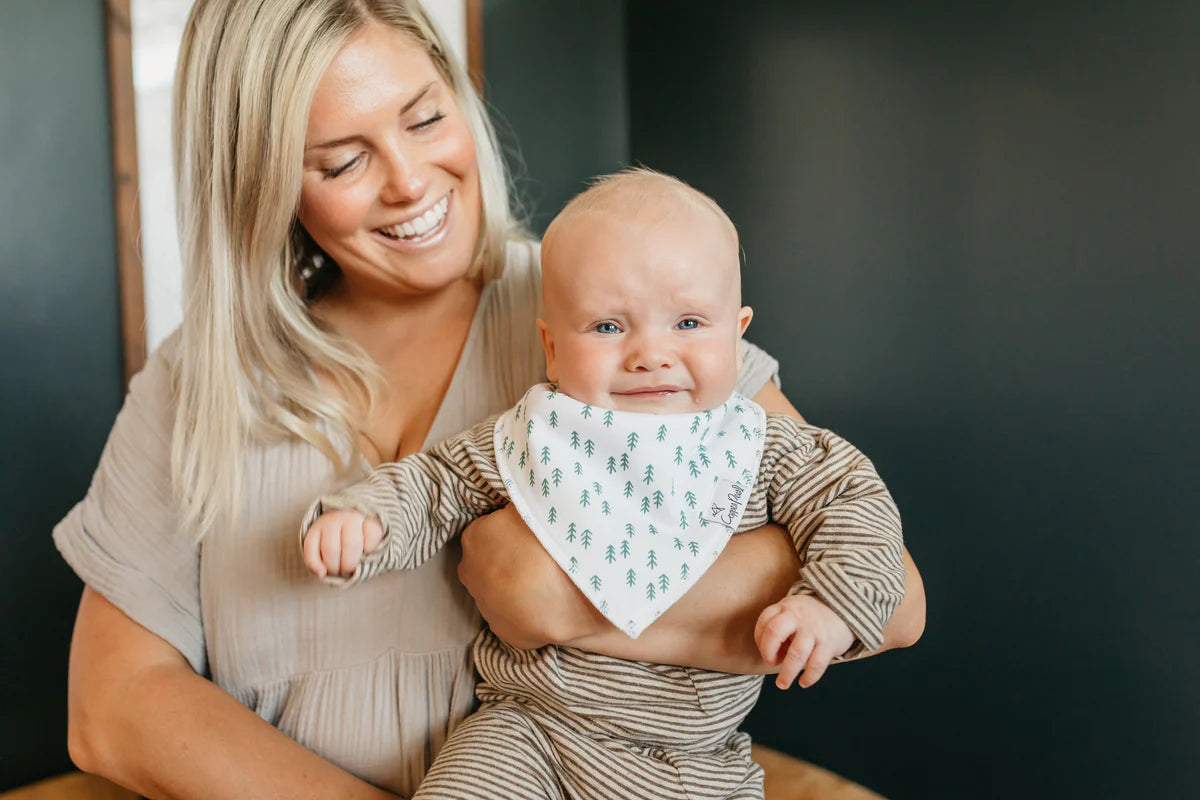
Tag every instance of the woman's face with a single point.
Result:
(391, 182)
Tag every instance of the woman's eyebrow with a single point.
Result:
(347, 139)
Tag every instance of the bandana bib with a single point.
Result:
(634, 507)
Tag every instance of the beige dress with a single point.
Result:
(378, 700)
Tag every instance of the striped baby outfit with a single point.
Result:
(558, 722)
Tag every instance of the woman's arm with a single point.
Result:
(530, 602)
(140, 716)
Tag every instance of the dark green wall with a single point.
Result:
(972, 239)
(61, 374)
(556, 87)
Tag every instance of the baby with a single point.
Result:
(632, 466)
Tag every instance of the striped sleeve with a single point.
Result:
(423, 501)
(844, 523)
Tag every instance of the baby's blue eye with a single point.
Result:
(607, 327)
(689, 324)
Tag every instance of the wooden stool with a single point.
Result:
(787, 779)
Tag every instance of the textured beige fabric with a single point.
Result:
(377, 699)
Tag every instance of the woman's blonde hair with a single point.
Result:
(249, 347)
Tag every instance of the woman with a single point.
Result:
(356, 290)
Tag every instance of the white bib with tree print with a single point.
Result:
(634, 507)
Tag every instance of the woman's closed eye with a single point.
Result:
(333, 172)
(426, 124)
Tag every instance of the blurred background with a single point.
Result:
(972, 240)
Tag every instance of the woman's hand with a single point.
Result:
(522, 593)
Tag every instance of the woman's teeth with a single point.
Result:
(428, 222)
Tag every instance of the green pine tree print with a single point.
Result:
(584, 498)
(595, 583)
(738, 408)
(605, 508)
(683, 571)
(532, 481)
(545, 455)
(552, 393)
(747, 477)
(653, 530)
(574, 564)
(553, 515)
(649, 591)
(504, 445)
(631, 440)
(589, 447)
(658, 499)
(645, 505)
(571, 533)
(556, 476)
(708, 416)
(692, 468)
(518, 414)
(545, 488)
(651, 560)
(664, 583)
(597, 488)
(695, 425)
(578, 468)
(629, 529)
(608, 419)
(612, 465)
(648, 475)
(730, 460)
(629, 488)
(625, 549)
(630, 578)
(610, 553)
(574, 440)
(678, 544)
(662, 432)
(529, 427)
(678, 454)
(624, 461)
(745, 432)
(553, 419)
(690, 498)
(586, 411)
(585, 538)
(704, 456)
(522, 461)
(693, 548)
(683, 523)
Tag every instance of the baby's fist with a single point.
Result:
(800, 633)
(337, 540)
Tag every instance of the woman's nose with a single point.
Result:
(404, 181)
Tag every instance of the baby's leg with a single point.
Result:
(497, 753)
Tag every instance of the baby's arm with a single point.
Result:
(401, 514)
(847, 532)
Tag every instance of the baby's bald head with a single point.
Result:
(643, 198)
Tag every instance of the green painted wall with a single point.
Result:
(972, 240)
(61, 375)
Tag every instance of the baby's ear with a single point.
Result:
(548, 346)
(743, 320)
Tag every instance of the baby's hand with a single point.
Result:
(337, 540)
(803, 633)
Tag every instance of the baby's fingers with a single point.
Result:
(372, 534)
(797, 656)
(817, 662)
(772, 632)
(352, 547)
(312, 551)
(331, 548)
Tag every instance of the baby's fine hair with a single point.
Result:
(634, 185)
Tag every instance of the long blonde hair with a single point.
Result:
(249, 347)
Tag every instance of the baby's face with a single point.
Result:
(643, 314)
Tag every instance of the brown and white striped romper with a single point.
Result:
(563, 723)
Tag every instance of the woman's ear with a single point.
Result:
(548, 346)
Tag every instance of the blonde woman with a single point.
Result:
(356, 290)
